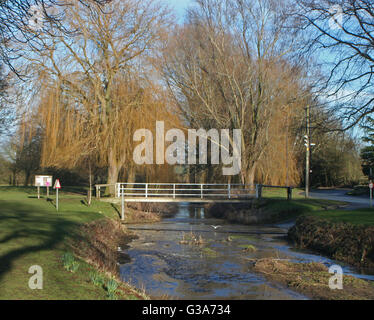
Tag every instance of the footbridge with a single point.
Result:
(184, 192)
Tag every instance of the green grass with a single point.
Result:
(210, 253)
(280, 193)
(283, 210)
(356, 217)
(32, 232)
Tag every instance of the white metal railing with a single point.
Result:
(185, 190)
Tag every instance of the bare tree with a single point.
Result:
(227, 68)
(23, 21)
(340, 33)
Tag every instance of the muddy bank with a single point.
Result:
(101, 244)
(97, 243)
(312, 280)
(341, 241)
(142, 212)
(255, 212)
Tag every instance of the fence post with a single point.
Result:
(201, 191)
(173, 191)
(97, 192)
(146, 190)
(229, 190)
(289, 193)
(258, 191)
(122, 205)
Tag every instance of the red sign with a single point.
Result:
(57, 184)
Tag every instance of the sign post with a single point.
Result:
(47, 184)
(371, 186)
(57, 186)
(43, 181)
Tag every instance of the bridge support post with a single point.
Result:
(122, 205)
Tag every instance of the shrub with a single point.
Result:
(111, 286)
(69, 262)
(96, 279)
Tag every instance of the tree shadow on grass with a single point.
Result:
(32, 228)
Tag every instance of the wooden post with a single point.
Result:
(201, 191)
(258, 191)
(38, 192)
(289, 193)
(47, 191)
(173, 191)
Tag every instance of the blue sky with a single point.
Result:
(179, 6)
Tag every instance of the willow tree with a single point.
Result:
(99, 78)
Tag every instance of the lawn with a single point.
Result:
(283, 210)
(281, 193)
(356, 217)
(32, 232)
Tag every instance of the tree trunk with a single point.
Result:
(113, 171)
(252, 175)
(131, 177)
(27, 178)
(89, 199)
(14, 182)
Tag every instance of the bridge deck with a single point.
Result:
(178, 200)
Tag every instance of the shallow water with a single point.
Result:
(217, 269)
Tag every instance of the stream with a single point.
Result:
(216, 269)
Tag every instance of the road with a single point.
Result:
(341, 195)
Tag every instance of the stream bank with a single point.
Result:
(353, 244)
(195, 256)
(98, 243)
(312, 279)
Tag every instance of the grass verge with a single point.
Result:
(32, 233)
(343, 235)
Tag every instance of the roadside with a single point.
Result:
(34, 233)
(354, 202)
